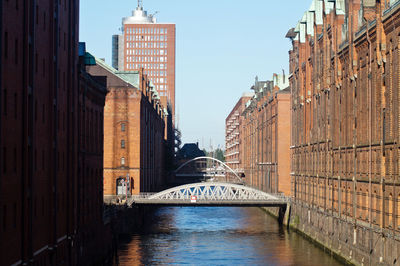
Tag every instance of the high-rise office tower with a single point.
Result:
(146, 44)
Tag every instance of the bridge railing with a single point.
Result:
(143, 195)
(280, 196)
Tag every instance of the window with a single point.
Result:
(15, 106)
(4, 217)
(43, 67)
(36, 62)
(390, 211)
(36, 110)
(42, 159)
(43, 113)
(44, 21)
(123, 161)
(42, 206)
(15, 160)
(5, 102)
(5, 44)
(35, 160)
(123, 144)
(397, 221)
(15, 215)
(4, 160)
(16, 51)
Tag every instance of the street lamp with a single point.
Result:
(127, 185)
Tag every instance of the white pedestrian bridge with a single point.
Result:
(210, 194)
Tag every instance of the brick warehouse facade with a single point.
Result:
(94, 236)
(265, 136)
(39, 96)
(344, 69)
(134, 144)
(233, 146)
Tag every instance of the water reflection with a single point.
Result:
(218, 236)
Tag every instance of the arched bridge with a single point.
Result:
(224, 165)
(210, 194)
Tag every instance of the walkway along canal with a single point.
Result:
(217, 236)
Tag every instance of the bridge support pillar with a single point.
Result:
(283, 215)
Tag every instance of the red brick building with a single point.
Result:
(39, 120)
(94, 238)
(344, 69)
(146, 44)
(38, 86)
(233, 124)
(265, 136)
(134, 133)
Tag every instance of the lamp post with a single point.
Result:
(127, 185)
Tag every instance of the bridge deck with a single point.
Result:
(199, 175)
(230, 203)
(210, 194)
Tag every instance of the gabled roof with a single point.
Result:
(190, 151)
(131, 77)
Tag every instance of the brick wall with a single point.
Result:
(134, 145)
(345, 124)
(92, 240)
(233, 139)
(265, 139)
(39, 121)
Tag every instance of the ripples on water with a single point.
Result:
(218, 236)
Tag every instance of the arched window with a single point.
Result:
(350, 201)
(123, 144)
(344, 199)
(390, 211)
(359, 204)
(367, 210)
(329, 196)
(398, 212)
(121, 186)
(375, 205)
(123, 161)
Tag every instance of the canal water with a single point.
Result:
(217, 236)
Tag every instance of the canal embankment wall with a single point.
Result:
(349, 241)
(120, 222)
(125, 220)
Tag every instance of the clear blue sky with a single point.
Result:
(221, 46)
